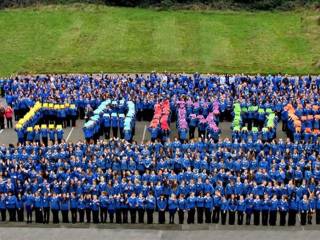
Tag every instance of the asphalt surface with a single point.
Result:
(187, 233)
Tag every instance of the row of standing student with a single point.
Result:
(117, 209)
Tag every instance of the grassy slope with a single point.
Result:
(94, 38)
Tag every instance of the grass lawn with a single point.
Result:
(90, 38)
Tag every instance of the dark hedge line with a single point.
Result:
(245, 4)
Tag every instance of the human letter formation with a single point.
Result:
(251, 178)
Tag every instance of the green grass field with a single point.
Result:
(89, 38)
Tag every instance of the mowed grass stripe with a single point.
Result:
(87, 38)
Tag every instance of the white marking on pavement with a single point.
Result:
(1, 131)
(144, 133)
(67, 139)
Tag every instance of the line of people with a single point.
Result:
(196, 209)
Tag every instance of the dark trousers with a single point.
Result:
(55, 216)
(317, 216)
(292, 217)
(81, 215)
(283, 216)
(133, 215)
(95, 216)
(12, 214)
(232, 217)
(150, 216)
(1, 122)
(162, 217)
(256, 217)
(39, 215)
(125, 215)
(223, 217)
(265, 216)
(29, 214)
(200, 214)
(216, 215)
(107, 132)
(309, 217)
(88, 215)
(273, 218)
(3, 215)
(46, 215)
(208, 215)
(103, 214)
(303, 216)
(118, 216)
(20, 213)
(65, 216)
(141, 215)
(115, 131)
(171, 216)
(191, 213)
(240, 217)
(111, 215)
(9, 122)
(181, 216)
(73, 215)
(248, 218)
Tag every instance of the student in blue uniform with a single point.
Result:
(124, 207)
(103, 199)
(241, 207)
(191, 207)
(150, 206)
(232, 209)
(172, 206)
(46, 208)
(182, 207)
(81, 208)
(118, 210)
(249, 209)
(29, 203)
(141, 208)
(257, 204)
(20, 207)
(65, 206)
(133, 205)
(274, 205)
(162, 205)
(200, 207)
(265, 207)
(208, 206)
(216, 207)
(38, 205)
(11, 204)
(95, 208)
(283, 209)
(73, 207)
(312, 206)
(111, 207)
(293, 209)
(303, 208)
(88, 207)
(224, 210)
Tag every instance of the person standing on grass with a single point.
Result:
(9, 114)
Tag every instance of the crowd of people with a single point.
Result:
(206, 182)
(273, 91)
(244, 180)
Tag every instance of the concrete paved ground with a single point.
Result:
(52, 233)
